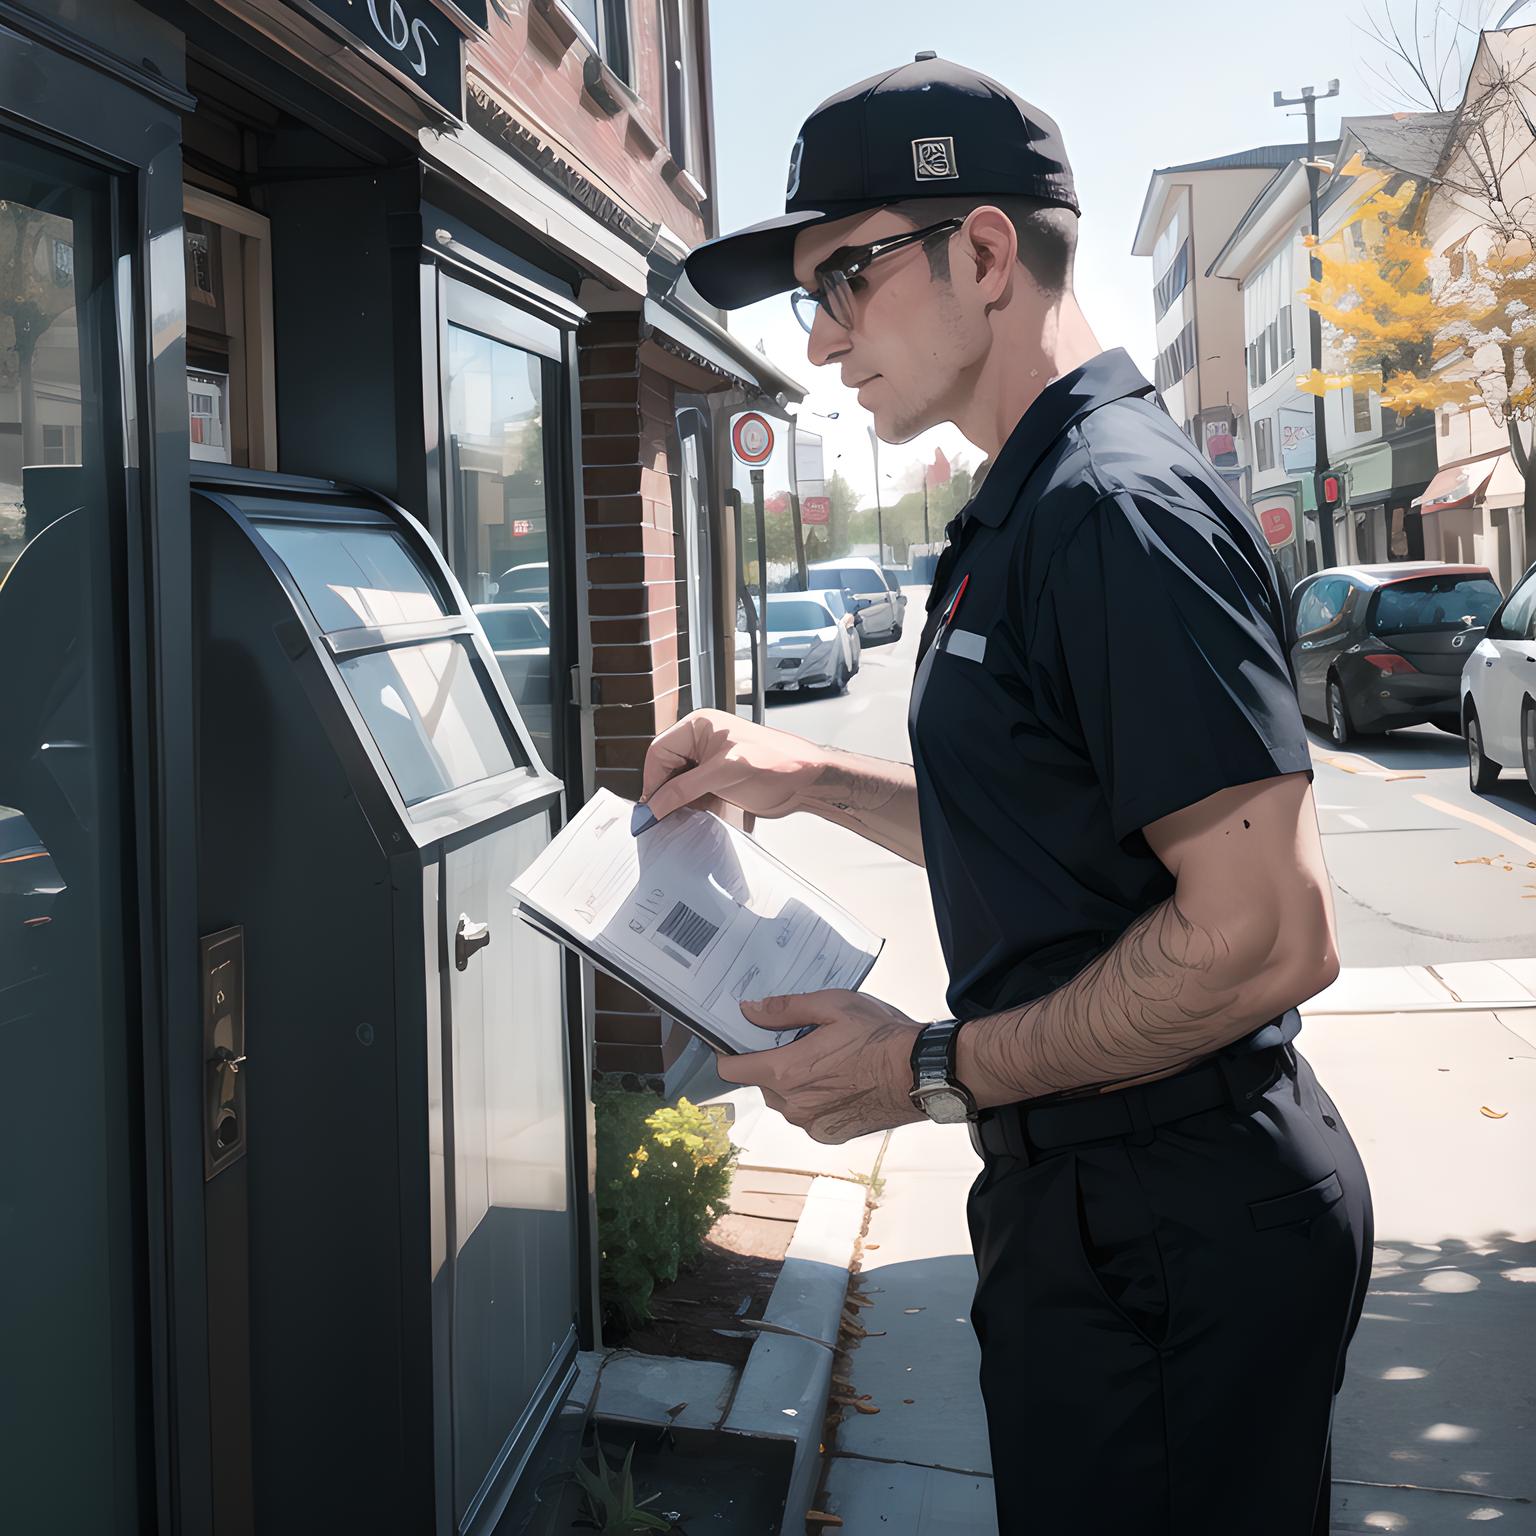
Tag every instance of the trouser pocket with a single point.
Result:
(1298, 1206)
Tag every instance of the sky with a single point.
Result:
(1132, 86)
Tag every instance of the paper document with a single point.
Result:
(694, 915)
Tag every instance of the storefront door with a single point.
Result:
(501, 401)
(73, 1402)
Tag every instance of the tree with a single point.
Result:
(36, 286)
(1428, 328)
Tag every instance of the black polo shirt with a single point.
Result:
(1106, 643)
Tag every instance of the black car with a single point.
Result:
(1381, 646)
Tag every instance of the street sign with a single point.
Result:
(414, 40)
(752, 439)
(816, 509)
(1277, 517)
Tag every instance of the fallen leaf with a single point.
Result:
(880, 1334)
(911, 1310)
(909, 1399)
(741, 1310)
(1442, 1069)
(675, 1409)
(821, 1517)
(1393, 777)
(1495, 1114)
(876, 1245)
(866, 1408)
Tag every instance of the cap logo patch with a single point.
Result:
(796, 155)
(934, 160)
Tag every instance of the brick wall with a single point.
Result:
(626, 426)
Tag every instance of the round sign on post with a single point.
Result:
(752, 439)
(1277, 522)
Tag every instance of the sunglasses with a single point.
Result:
(836, 292)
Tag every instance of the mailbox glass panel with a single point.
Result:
(354, 577)
(429, 715)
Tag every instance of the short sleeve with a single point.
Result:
(1158, 633)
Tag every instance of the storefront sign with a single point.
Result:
(1277, 517)
(816, 509)
(412, 38)
(1220, 441)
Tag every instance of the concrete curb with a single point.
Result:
(787, 1380)
(1447, 988)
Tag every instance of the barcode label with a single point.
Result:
(685, 928)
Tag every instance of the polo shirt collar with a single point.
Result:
(1109, 376)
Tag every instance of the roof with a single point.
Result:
(1402, 570)
(1266, 157)
(1410, 142)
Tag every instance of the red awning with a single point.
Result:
(1458, 485)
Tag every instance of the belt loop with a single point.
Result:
(1226, 1064)
(1143, 1131)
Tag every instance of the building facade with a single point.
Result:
(368, 309)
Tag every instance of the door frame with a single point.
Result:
(64, 92)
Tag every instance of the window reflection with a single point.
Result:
(354, 577)
(502, 543)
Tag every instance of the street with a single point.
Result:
(1423, 870)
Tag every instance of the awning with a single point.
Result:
(1458, 485)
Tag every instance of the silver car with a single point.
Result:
(808, 647)
(878, 616)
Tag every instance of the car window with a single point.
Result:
(854, 577)
(508, 627)
(1321, 604)
(791, 616)
(1518, 620)
(1426, 603)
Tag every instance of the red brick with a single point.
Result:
(622, 781)
(610, 391)
(634, 628)
(625, 570)
(610, 421)
(623, 753)
(639, 538)
(613, 602)
(605, 480)
(607, 362)
(612, 450)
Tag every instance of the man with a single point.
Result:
(1110, 789)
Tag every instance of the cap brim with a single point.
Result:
(757, 262)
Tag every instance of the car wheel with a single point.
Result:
(1482, 772)
(840, 681)
(1339, 728)
(1528, 742)
(896, 633)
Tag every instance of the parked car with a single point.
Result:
(878, 615)
(525, 584)
(894, 580)
(808, 647)
(841, 601)
(1382, 646)
(519, 635)
(1498, 691)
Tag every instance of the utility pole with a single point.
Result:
(1325, 520)
(925, 504)
(874, 443)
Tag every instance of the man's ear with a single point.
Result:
(991, 248)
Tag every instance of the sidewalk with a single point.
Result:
(1433, 1427)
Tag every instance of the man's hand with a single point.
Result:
(710, 754)
(851, 1076)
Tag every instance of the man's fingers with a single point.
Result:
(696, 784)
(795, 1011)
(670, 754)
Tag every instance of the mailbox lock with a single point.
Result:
(470, 937)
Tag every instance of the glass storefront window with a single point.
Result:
(354, 578)
(502, 535)
(71, 1287)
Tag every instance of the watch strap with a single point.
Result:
(933, 1053)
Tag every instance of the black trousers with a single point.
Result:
(1163, 1320)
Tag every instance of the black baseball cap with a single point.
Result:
(926, 129)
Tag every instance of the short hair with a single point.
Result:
(1047, 234)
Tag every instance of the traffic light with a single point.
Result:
(1330, 490)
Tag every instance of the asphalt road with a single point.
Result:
(1423, 870)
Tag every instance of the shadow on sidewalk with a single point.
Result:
(1440, 1391)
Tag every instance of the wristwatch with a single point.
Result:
(935, 1089)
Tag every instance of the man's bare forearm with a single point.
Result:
(870, 796)
(1169, 991)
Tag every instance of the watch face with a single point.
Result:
(944, 1106)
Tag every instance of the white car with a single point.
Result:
(878, 616)
(808, 647)
(1498, 691)
(519, 635)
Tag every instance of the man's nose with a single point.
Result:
(827, 341)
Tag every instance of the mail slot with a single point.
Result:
(388, 1062)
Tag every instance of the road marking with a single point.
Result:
(1347, 762)
(1354, 821)
(1484, 822)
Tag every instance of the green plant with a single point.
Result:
(662, 1178)
(611, 1500)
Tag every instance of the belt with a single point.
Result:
(1031, 1132)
